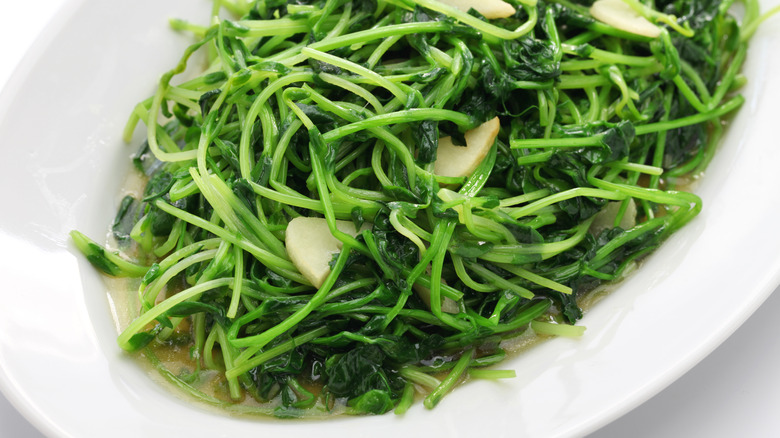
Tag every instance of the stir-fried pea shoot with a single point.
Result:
(334, 109)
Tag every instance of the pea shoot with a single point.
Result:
(358, 200)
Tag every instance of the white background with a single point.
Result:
(734, 392)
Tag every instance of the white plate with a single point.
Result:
(60, 120)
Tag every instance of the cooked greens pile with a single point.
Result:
(334, 109)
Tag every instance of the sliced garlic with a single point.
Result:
(448, 305)
(311, 246)
(489, 8)
(457, 161)
(605, 218)
(619, 14)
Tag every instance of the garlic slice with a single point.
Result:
(311, 246)
(489, 8)
(448, 305)
(457, 161)
(619, 14)
(605, 219)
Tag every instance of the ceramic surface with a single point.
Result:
(61, 117)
